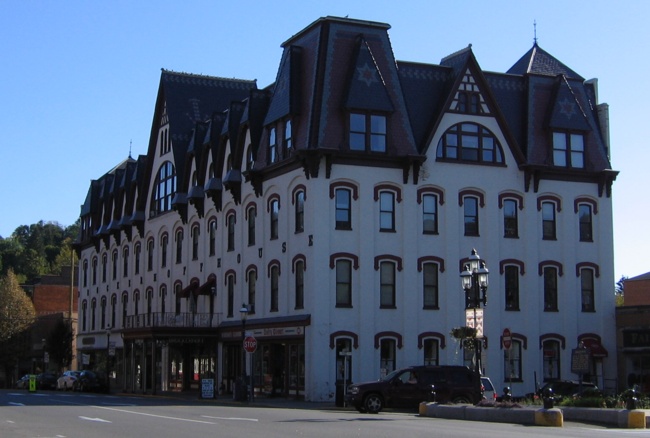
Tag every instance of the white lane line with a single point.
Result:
(99, 420)
(155, 416)
(16, 404)
(231, 418)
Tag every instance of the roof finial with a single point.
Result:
(130, 144)
(535, 31)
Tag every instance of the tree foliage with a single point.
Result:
(38, 249)
(17, 312)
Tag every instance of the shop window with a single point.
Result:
(430, 350)
(512, 362)
(551, 358)
(387, 347)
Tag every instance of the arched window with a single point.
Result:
(469, 142)
(164, 188)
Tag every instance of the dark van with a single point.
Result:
(408, 387)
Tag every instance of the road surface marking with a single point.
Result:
(99, 420)
(154, 415)
(230, 418)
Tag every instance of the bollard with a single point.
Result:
(631, 399)
(548, 398)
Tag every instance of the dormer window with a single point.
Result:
(568, 150)
(367, 132)
(273, 146)
(469, 142)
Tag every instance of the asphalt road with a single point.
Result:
(66, 415)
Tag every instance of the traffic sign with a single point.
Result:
(506, 339)
(250, 344)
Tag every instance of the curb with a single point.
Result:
(623, 418)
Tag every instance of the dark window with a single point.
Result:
(177, 299)
(252, 213)
(548, 221)
(430, 348)
(343, 283)
(510, 220)
(587, 290)
(275, 288)
(512, 361)
(430, 285)
(550, 289)
(512, 287)
(104, 267)
(231, 295)
(300, 212)
(387, 355)
(470, 209)
(386, 211)
(114, 264)
(387, 285)
(568, 150)
(213, 237)
(367, 132)
(288, 136)
(231, 232)
(163, 250)
(469, 142)
(150, 255)
(138, 253)
(252, 280)
(195, 243)
(273, 146)
(343, 210)
(551, 358)
(300, 284)
(275, 212)
(125, 262)
(584, 212)
(179, 246)
(430, 214)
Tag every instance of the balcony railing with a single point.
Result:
(179, 320)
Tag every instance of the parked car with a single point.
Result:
(67, 379)
(571, 388)
(46, 380)
(408, 387)
(23, 382)
(489, 393)
(89, 381)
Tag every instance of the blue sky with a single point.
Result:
(78, 79)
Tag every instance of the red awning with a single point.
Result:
(185, 293)
(595, 348)
(206, 288)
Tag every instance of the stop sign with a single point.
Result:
(507, 338)
(250, 344)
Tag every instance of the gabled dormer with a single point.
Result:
(468, 117)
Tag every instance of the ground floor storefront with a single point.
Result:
(209, 361)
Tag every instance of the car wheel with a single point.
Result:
(373, 403)
(461, 400)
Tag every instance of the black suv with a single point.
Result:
(408, 387)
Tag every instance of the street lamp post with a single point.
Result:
(108, 358)
(242, 392)
(474, 280)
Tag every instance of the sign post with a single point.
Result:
(250, 346)
(506, 340)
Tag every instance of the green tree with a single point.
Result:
(17, 315)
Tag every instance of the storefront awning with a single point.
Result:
(206, 288)
(595, 347)
(185, 293)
